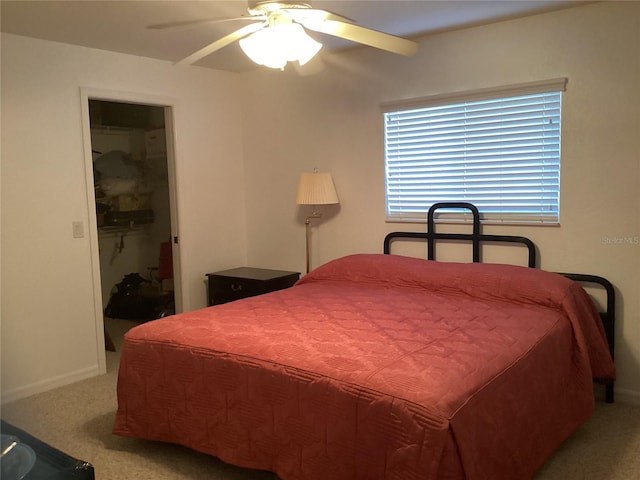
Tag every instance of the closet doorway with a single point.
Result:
(133, 192)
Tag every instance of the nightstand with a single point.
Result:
(229, 285)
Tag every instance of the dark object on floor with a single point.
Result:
(50, 463)
(134, 298)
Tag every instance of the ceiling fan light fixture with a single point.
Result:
(280, 43)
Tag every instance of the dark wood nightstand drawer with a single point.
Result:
(229, 285)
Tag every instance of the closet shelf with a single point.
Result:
(106, 231)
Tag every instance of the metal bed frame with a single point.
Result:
(477, 239)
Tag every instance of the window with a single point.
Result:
(497, 148)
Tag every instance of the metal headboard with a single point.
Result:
(476, 238)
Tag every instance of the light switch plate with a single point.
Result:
(78, 229)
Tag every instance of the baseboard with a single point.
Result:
(630, 397)
(48, 384)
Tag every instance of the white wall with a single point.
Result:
(48, 326)
(331, 120)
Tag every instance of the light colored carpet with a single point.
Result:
(77, 419)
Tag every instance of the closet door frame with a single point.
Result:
(169, 105)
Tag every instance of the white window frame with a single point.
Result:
(394, 152)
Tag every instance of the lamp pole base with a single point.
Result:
(307, 235)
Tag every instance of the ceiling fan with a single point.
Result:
(277, 34)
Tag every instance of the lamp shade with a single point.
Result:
(316, 189)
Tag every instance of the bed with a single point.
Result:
(378, 366)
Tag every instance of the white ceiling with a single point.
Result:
(120, 26)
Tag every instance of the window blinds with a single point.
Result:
(496, 148)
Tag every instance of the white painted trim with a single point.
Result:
(93, 232)
(528, 88)
(171, 137)
(169, 105)
(49, 384)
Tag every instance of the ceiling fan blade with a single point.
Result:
(302, 15)
(191, 23)
(222, 42)
(366, 36)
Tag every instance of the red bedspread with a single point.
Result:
(374, 367)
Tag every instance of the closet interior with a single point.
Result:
(133, 209)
